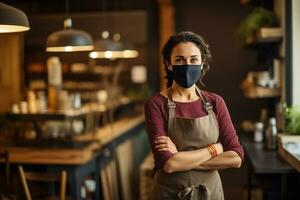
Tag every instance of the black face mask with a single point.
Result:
(186, 75)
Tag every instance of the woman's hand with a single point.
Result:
(164, 143)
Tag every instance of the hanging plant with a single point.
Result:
(259, 17)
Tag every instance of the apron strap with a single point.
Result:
(208, 106)
(171, 109)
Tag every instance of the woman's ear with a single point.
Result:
(170, 67)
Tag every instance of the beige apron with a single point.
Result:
(190, 134)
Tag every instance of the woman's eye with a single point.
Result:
(178, 60)
(193, 60)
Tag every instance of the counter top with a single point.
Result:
(109, 132)
(263, 161)
(79, 150)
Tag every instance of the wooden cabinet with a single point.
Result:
(11, 51)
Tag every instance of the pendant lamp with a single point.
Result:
(12, 19)
(106, 48)
(112, 49)
(69, 39)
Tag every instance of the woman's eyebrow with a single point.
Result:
(179, 56)
(191, 56)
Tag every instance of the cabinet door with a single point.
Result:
(11, 50)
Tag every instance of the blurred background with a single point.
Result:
(74, 76)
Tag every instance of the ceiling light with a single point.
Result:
(12, 19)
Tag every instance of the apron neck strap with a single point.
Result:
(207, 105)
(171, 104)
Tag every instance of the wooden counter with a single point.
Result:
(82, 156)
(82, 149)
(112, 131)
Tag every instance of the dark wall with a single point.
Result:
(217, 22)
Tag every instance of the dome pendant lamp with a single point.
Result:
(12, 19)
(69, 39)
(113, 49)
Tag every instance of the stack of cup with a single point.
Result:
(64, 102)
(53, 98)
(42, 102)
(32, 104)
(23, 107)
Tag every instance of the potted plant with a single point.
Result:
(258, 18)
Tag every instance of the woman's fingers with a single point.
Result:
(165, 145)
(163, 137)
(164, 149)
(163, 140)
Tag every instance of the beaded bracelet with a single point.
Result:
(212, 150)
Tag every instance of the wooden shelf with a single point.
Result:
(262, 92)
(262, 41)
(84, 76)
(265, 36)
(67, 115)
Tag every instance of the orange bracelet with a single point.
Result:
(212, 150)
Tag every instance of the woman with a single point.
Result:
(190, 130)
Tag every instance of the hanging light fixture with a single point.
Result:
(12, 19)
(69, 39)
(110, 48)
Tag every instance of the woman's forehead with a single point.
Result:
(186, 49)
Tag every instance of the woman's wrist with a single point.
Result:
(212, 150)
(215, 149)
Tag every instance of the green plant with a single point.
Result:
(259, 17)
(292, 116)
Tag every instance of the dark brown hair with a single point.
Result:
(186, 36)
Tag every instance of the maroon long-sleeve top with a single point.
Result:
(156, 117)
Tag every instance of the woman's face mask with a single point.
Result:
(186, 75)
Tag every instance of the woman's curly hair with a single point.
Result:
(186, 36)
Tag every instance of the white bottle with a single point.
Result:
(258, 134)
(54, 71)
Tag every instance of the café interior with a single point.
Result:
(75, 76)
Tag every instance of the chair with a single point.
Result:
(43, 177)
(5, 159)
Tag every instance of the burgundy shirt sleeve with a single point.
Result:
(155, 127)
(228, 136)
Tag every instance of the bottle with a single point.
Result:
(271, 134)
(258, 134)
(264, 119)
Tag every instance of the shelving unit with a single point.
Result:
(87, 82)
(267, 49)
(265, 82)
